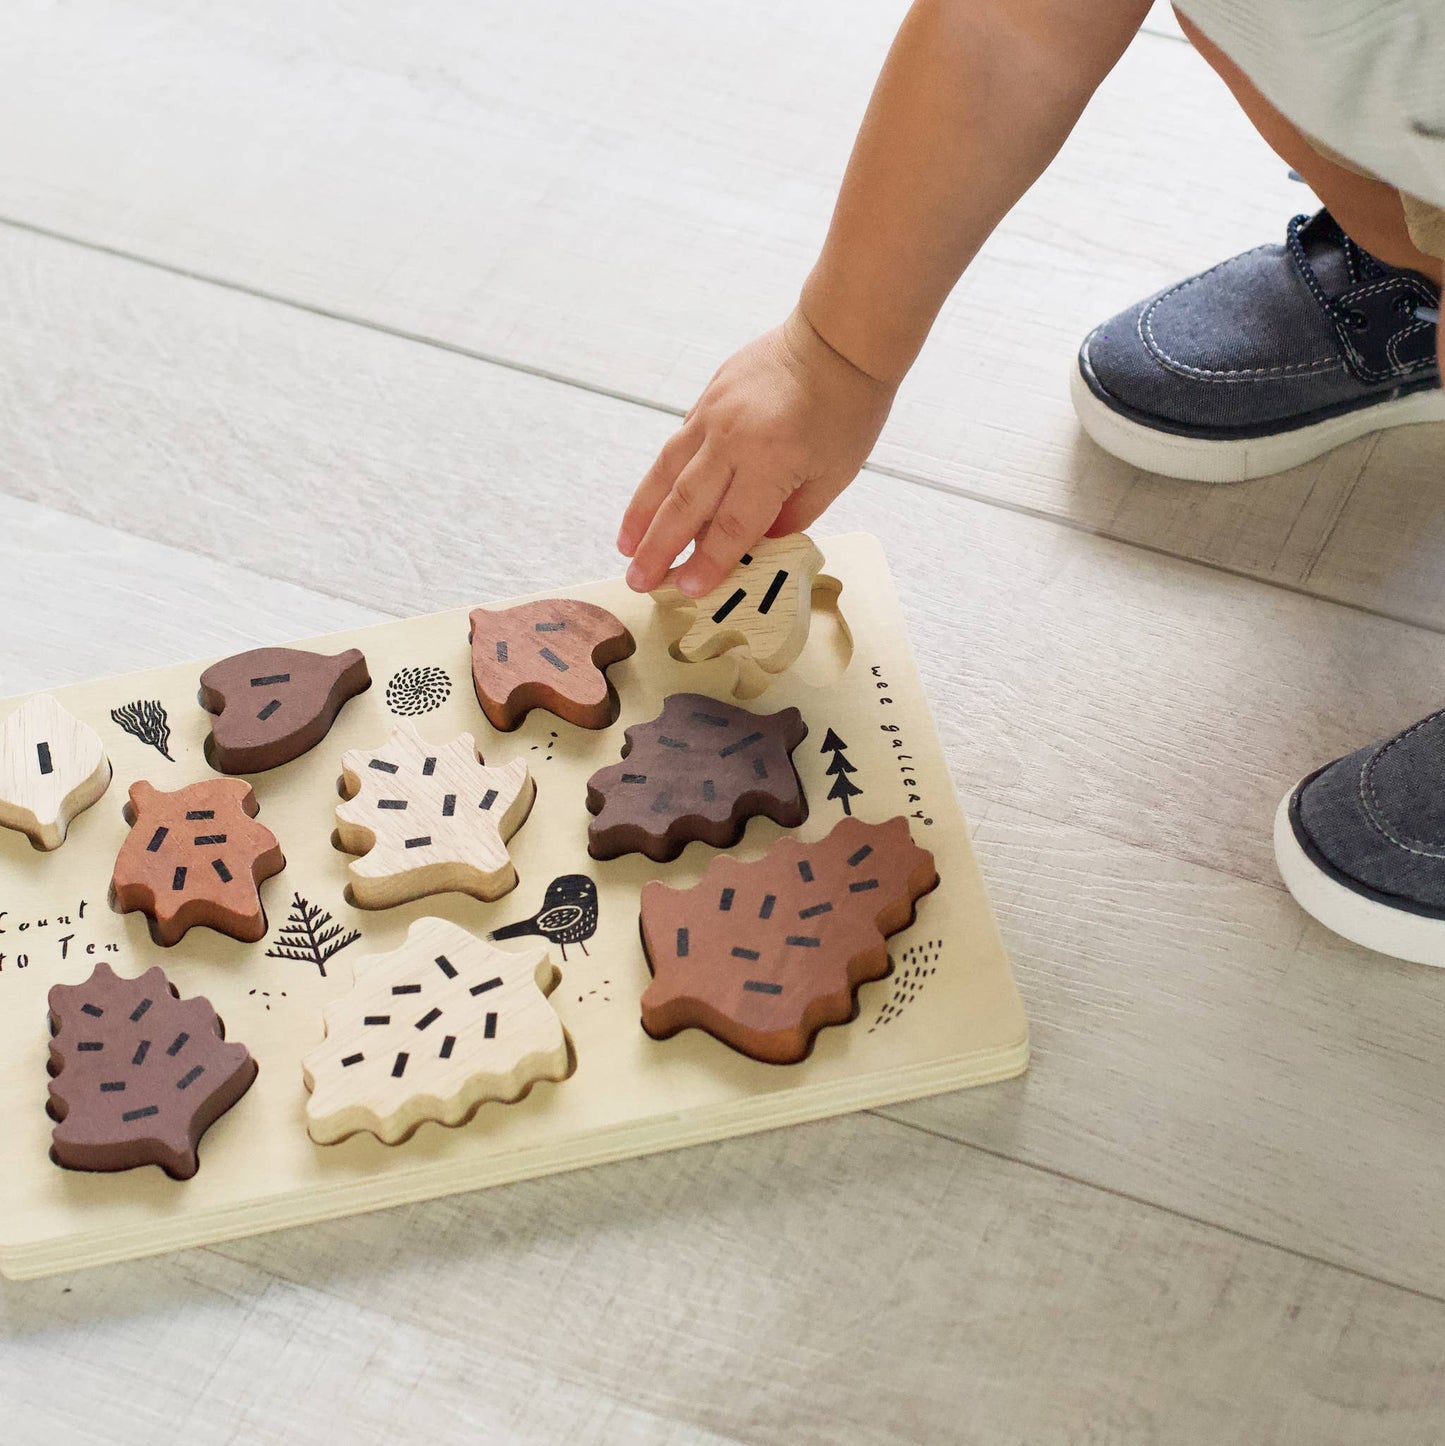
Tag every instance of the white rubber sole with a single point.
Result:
(1352, 916)
(1192, 460)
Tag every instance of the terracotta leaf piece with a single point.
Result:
(552, 654)
(763, 607)
(763, 955)
(431, 1031)
(52, 767)
(274, 704)
(429, 819)
(196, 857)
(139, 1074)
(699, 770)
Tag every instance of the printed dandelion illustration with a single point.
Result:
(146, 719)
(310, 936)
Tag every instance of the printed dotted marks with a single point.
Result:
(274, 704)
(431, 1031)
(698, 771)
(429, 818)
(138, 1074)
(763, 955)
(52, 768)
(553, 655)
(196, 856)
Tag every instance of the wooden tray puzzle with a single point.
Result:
(947, 1017)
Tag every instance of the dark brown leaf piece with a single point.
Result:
(699, 770)
(763, 955)
(139, 1074)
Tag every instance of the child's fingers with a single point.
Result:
(676, 453)
(743, 516)
(681, 517)
(804, 508)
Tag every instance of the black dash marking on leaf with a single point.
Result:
(634, 778)
(92, 1009)
(729, 605)
(188, 1079)
(762, 986)
(208, 838)
(747, 559)
(555, 661)
(220, 867)
(682, 943)
(551, 627)
(445, 965)
(678, 743)
(805, 871)
(501, 651)
(141, 1114)
(857, 858)
(399, 1068)
(406, 988)
(741, 953)
(268, 710)
(42, 753)
(448, 1044)
(766, 912)
(271, 681)
(711, 719)
(486, 985)
(178, 1044)
(157, 839)
(489, 1031)
(142, 1049)
(488, 799)
(862, 886)
(87, 1045)
(139, 1010)
(196, 813)
(419, 843)
(774, 588)
(726, 902)
(709, 790)
(740, 744)
(352, 1059)
(760, 766)
(377, 1019)
(803, 941)
(391, 803)
(111, 1086)
(428, 1019)
(815, 910)
(382, 766)
(428, 768)
(449, 805)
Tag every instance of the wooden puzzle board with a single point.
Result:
(949, 1016)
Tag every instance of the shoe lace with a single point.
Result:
(1361, 266)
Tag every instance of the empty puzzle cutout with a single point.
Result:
(52, 767)
(138, 1073)
(274, 704)
(196, 857)
(431, 1031)
(552, 654)
(760, 614)
(763, 955)
(699, 770)
(430, 819)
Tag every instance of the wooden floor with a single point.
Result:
(318, 315)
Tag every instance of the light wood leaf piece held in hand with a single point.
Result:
(196, 856)
(762, 609)
(430, 819)
(52, 767)
(762, 955)
(431, 1031)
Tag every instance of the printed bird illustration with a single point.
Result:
(568, 915)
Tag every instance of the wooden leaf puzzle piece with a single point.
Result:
(763, 955)
(430, 819)
(138, 1073)
(431, 1031)
(699, 770)
(552, 654)
(274, 704)
(52, 767)
(196, 857)
(763, 607)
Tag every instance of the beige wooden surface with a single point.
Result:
(1210, 1210)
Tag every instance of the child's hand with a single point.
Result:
(779, 432)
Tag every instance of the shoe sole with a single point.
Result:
(1367, 922)
(1193, 459)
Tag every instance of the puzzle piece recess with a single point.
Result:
(196, 857)
(430, 819)
(274, 704)
(138, 1073)
(431, 1031)
(763, 955)
(699, 770)
(762, 609)
(552, 654)
(52, 767)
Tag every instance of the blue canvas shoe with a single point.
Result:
(1361, 844)
(1265, 361)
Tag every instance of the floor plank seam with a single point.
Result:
(881, 1112)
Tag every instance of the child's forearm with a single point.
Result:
(974, 101)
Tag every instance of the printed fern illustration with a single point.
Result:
(146, 719)
(310, 936)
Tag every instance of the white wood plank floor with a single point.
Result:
(283, 289)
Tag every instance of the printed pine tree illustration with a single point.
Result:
(838, 770)
(310, 936)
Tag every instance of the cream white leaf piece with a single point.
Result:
(430, 819)
(431, 1031)
(52, 767)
